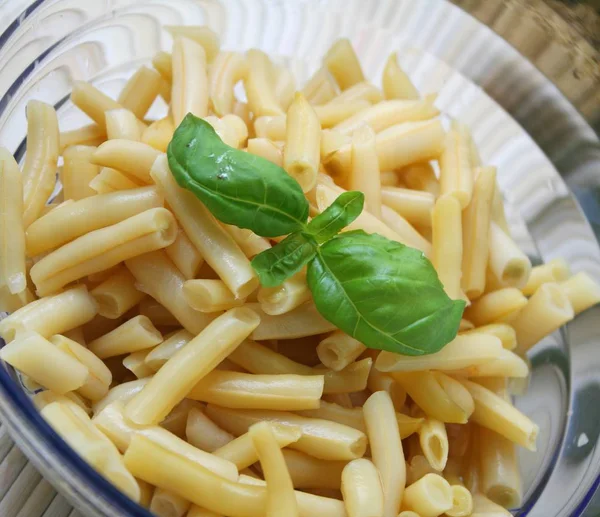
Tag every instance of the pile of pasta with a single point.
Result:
(140, 325)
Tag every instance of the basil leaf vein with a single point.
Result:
(345, 209)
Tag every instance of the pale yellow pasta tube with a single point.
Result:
(321, 87)
(338, 350)
(176, 420)
(495, 306)
(462, 502)
(157, 276)
(408, 513)
(13, 302)
(257, 358)
(78, 171)
(196, 511)
(413, 205)
(507, 262)
(136, 364)
(227, 69)
(507, 364)
(91, 135)
(51, 315)
(434, 443)
(500, 475)
(71, 220)
(547, 310)
(47, 365)
(12, 231)
(93, 102)
(353, 417)
(117, 294)
(332, 114)
(504, 332)
(386, 449)
(389, 179)
(98, 250)
(159, 134)
(326, 195)
(163, 352)
(395, 82)
(202, 35)
(250, 243)
(408, 234)
(241, 451)
(190, 364)
(189, 93)
(39, 169)
(231, 129)
(397, 146)
(379, 381)
(163, 63)
(249, 391)
(203, 433)
(170, 471)
(121, 392)
(216, 246)
(185, 255)
(495, 413)
(463, 351)
(343, 63)
(115, 425)
(447, 253)
(158, 314)
(456, 174)
(168, 504)
(557, 270)
(323, 439)
(281, 500)
(99, 377)
(476, 228)
(303, 321)
(110, 180)
(259, 86)
(410, 142)
(483, 507)
(136, 334)
(308, 472)
(389, 113)
(435, 399)
(284, 298)
(420, 176)
(139, 92)
(272, 127)
(210, 296)
(360, 91)
(364, 173)
(582, 291)
(362, 490)
(266, 149)
(122, 124)
(77, 430)
(302, 143)
(133, 158)
(431, 496)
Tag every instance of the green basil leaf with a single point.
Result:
(238, 188)
(385, 294)
(283, 260)
(337, 216)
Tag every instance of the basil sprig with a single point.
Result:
(383, 293)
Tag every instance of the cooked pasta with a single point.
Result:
(225, 385)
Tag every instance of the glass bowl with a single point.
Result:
(45, 45)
